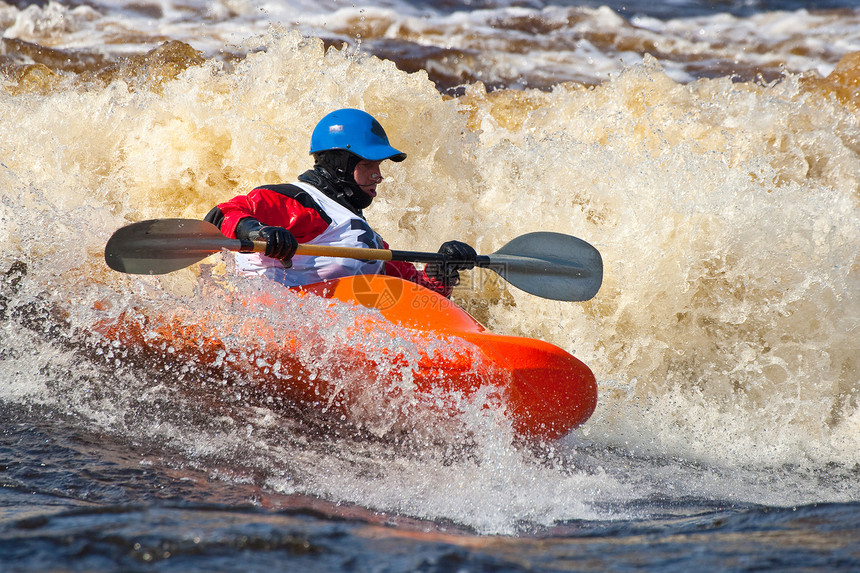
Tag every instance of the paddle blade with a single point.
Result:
(160, 246)
(550, 265)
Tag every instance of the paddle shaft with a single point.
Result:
(359, 253)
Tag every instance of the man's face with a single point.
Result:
(367, 175)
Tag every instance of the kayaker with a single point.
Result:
(325, 207)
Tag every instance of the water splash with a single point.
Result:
(726, 214)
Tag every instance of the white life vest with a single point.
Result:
(346, 230)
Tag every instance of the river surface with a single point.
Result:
(710, 151)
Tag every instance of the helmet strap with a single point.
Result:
(335, 184)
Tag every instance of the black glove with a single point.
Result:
(280, 243)
(458, 257)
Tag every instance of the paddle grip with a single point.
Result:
(420, 257)
(246, 246)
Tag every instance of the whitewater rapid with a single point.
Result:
(726, 213)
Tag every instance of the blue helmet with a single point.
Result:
(355, 131)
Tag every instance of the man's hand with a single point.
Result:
(280, 243)
(458, 257)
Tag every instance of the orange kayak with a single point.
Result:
(397, 345)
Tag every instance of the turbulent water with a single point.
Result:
(709, 150)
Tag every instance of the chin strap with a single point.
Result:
(344, 191)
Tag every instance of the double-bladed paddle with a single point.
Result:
(548, 265)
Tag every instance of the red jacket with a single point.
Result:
(305, 220)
